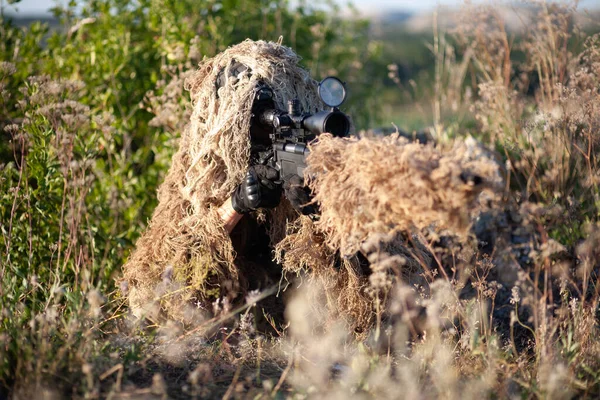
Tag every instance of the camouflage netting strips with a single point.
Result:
(378, 184)
(185, 260)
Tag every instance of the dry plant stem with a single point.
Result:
(236, 376)
(284, 375)
(258, 358)
(117, 368)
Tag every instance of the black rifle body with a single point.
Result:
(290, 132)
(289, 159)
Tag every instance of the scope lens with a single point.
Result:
(332, 91)
(337, 124)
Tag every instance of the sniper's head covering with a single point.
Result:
(222, 93)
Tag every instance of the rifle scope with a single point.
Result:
(332, 121)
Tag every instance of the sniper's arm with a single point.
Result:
(229, 216)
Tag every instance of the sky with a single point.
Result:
(29, 7)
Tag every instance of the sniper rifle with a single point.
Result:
(290, 131)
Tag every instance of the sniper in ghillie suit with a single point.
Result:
(270, 189)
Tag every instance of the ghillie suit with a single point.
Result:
(186, 260)
(391, 183)
(185, 256)
(398, 201)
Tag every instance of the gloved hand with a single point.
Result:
(299, 195)
(257, 190)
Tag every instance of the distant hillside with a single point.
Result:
(24, 21)
(395, 17)
(516, 18)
